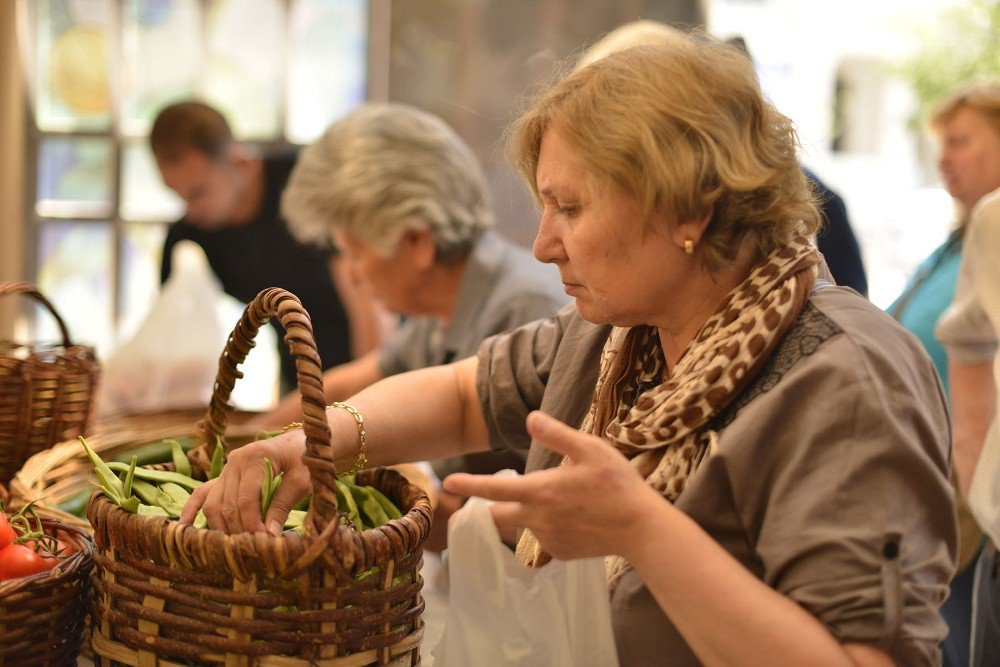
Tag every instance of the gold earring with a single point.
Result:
(689, 246)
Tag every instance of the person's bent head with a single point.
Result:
(683, 129)
(393, 186)
(200, 161)
(968, 125)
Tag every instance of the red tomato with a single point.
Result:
(17, 560)
(7, 534)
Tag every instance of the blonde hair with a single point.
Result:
(627, 35)
(981, 97)
(681, 125)
(382, 170)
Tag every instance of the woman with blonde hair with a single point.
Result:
(760, 455)
(967, 126)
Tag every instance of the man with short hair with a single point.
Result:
(232, 197)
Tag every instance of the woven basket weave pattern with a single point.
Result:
(166, 591)
(42, 617)
(46, 391)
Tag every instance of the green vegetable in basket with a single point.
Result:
(158, 476)
(346, 504)
(145, 491)
(152, 453)
(218, 460)
(129, 478)
(76, 504)
(179, 457)
(108, 481)
(372, 513)
(392, 512)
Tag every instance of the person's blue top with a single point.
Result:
(927, 296)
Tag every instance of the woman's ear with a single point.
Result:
(690, 232)
(419, 245)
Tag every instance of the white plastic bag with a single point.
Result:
(503, 613)
(171, 361)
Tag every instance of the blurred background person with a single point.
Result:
(232, 196)
(403, 197)
(970, 165)
(967, 124)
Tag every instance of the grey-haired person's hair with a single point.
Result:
(382, 170)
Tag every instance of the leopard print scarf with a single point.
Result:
(662, 426)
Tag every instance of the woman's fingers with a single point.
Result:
(196, 501)
(559, 437)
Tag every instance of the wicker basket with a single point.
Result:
(63, 473)
(42, 616)
(46, 391)
(167, 592)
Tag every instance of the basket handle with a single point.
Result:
(30, 290)
(276, 302)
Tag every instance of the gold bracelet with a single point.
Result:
(362, 461)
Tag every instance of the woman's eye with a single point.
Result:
(566, 211)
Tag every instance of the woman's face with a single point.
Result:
(392, 280)
(970, 156)
(594, 235)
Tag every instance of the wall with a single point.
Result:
(12, 101)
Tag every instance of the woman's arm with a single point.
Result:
(725, 614)
(425, 414)
(973, 405)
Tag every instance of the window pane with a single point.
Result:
(75, 177)
(328, 59)
(73, 63)
(144, 196)
(74, 273)
(142, 246)
(161, 42)
(245, 59)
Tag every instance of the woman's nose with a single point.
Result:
(547, 246)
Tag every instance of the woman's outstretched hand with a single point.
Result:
(595, 504)
(231, 502)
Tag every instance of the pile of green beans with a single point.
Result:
(149, 492)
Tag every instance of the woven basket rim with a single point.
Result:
(69, 568)
(261, 550)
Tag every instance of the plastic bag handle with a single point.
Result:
(30, 290)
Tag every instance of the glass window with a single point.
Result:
(73, 261)
(161, 56)
(323, 33)
(75, 176)
(73, 51)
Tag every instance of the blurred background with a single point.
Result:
(83, 212)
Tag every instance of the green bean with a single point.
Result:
(180, 459)
(265, 487)
(370, 508)
(347, 506)
(391, 510)
(111, 485)
(218, 459)
(129, 477)
(200, 520)
(159, 476)
(130, 504)
(145, 491)
(77, 503)
(153, 452)
(151, 510)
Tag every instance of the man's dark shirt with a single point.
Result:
(836, 239)
(262, 254)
